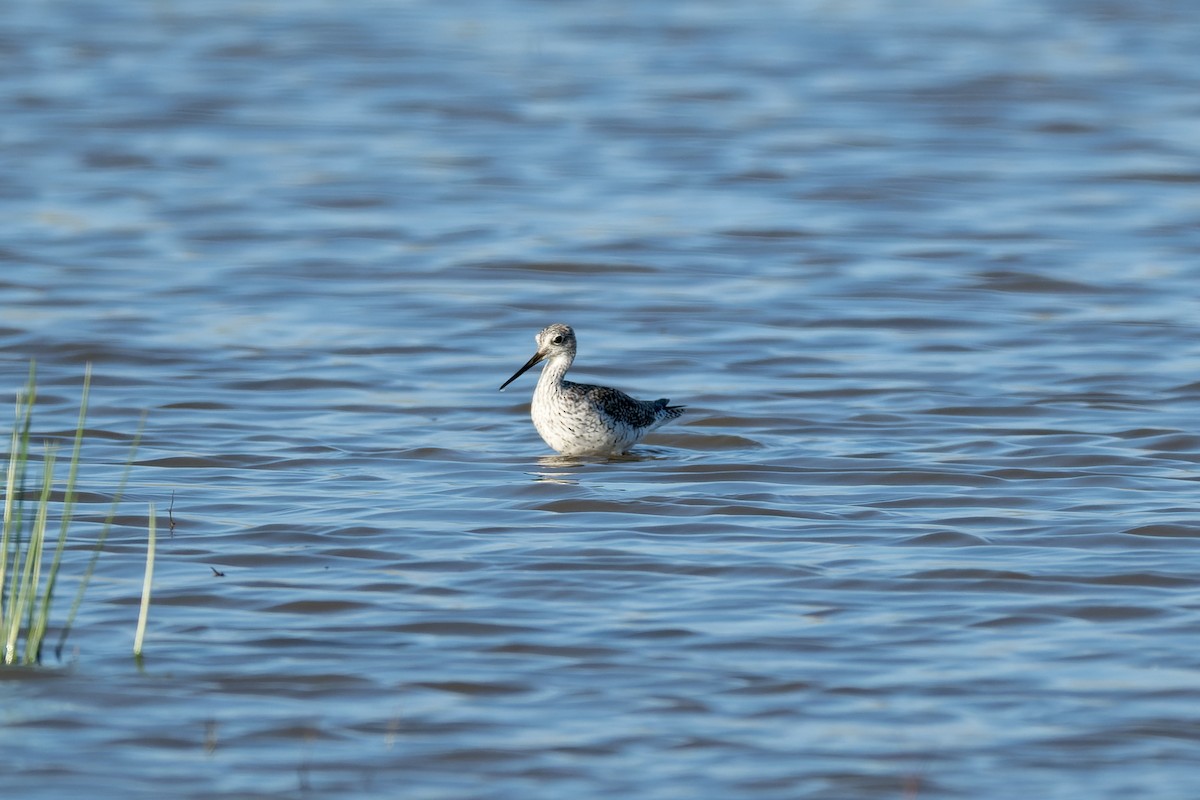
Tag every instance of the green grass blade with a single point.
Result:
(24, 589)
(15, 462)
(19, 593)
(68, 504)
(32, 589)
(10, 539)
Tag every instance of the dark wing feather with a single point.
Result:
(618, 405)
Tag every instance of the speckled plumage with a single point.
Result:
(581, 419)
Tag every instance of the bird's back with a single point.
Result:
(641, 415)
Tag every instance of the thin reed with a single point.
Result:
(144, 610)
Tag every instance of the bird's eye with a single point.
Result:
(557, 339)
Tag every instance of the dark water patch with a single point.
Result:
(1114, 613)
(475, 689)
(110, 159)
(621, 563)
(1170, 442)
(198, 405)
(1165, 530)
(463, 628)
(312, 608)
(439, 566)
(1017, 621)
(707, 443)
(555, 651)
(296, 383)
(946, 539)
(228, 461)
(358, 553)
(214, 599)
(1025, 282)
(622, 507)
(565, 268)
(302, 685)
(776, 233)
(234, 235)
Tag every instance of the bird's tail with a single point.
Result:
(672, 411)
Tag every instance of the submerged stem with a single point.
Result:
(144, 612)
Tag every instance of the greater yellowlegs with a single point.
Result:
(580, 419)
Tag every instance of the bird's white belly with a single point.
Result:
(576, 429)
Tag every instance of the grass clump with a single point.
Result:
(27, 581)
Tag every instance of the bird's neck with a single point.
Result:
(553, 373)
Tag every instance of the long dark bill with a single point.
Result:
(536, 358)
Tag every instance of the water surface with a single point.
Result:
(924, 275)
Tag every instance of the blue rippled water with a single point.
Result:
(924, 274)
